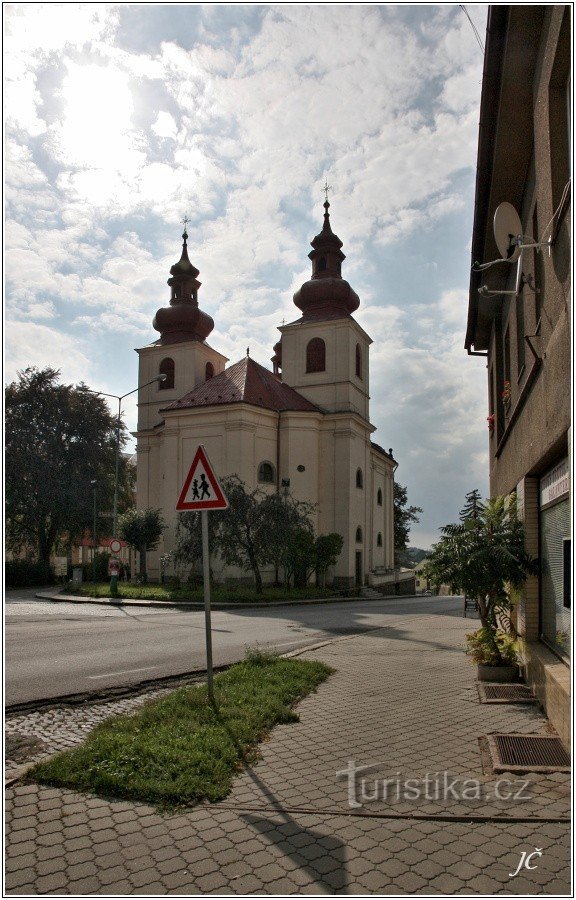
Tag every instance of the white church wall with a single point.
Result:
(336, 388)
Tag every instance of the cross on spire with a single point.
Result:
(327, 187)
(185, 221)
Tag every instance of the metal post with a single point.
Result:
(115, 514)
(206, 571)
(94, 536)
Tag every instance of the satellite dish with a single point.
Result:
(507, 228)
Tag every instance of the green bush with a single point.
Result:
(27, 573)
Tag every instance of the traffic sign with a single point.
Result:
(115, 545)
(201, 489)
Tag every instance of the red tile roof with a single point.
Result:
(245, 382)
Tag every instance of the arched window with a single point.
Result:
(379, 540)
(166, 368)
(358, 361)
(266, 473)
(379, 497)
(358, 535)
(209, 370)
(316, 355)
(322, 264)
(359, 478)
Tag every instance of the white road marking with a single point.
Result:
(124, 672)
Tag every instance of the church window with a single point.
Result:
(266, 473)
(379, 497)
(358, 535)
(359, 478)
(209, 370)
(358, 361)
(316, 355)
(379, 540)
(166, 368)
(322, 264)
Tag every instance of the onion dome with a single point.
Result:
(327, 294)
(183, 320)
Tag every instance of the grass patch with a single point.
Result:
(187, 594)
(181, 749)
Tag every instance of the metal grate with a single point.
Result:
(528, 753)
(505, 693)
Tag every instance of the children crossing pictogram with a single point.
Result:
(201, 489)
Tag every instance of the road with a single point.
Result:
(54, 649)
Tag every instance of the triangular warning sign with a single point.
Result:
(201, 489)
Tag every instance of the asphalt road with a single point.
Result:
(55, 649)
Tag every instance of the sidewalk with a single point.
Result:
(402, 700)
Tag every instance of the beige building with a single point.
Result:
(306, 422)
(520, 321)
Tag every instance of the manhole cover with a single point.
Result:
(527, 753)
(20, 747)
(505, 693)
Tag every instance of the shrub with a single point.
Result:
(27, 573)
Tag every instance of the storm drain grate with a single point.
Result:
(528, 753)
(505, 693)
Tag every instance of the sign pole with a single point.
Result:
(206, 568)
(202, 491)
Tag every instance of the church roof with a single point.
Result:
(245, 382)
(381, 450)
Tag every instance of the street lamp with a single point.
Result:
(93, 483)
(118, 423)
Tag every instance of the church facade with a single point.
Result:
(303, 427)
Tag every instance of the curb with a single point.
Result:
(199, 605)
(198, 674)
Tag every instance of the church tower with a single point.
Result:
(324, 354)
(181, 353)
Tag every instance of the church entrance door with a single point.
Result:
(359, 579)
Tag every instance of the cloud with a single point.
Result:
(120, 120)
(41, 346)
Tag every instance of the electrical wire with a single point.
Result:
(560, 205)
(479, 267)
(474, 29)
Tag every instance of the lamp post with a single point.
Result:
(118, 423)
(93, 483)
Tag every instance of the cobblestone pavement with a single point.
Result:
(33, 736)
(402, 701)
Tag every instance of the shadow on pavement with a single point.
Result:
(310, 850)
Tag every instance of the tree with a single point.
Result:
(328, 548)
(472, 505)
(58, 439)
(404, 516)
(142, 529)
(282, 518)
(299, 556)
(239, 533)
(485, 558)
(256, 530)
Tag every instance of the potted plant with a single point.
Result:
(506, 397)
(484, 557)
(495, 653)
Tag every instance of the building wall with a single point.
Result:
(327, 450)
(338, 388)
(190, 359)
(526, 160)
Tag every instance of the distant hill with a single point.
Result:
(412, 556)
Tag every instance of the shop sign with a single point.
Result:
(555, 484)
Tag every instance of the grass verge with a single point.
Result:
(181, 749)
(218, 594)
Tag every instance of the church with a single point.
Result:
(302, 427)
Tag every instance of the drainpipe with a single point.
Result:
(278, 452)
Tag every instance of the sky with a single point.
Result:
(121, 119)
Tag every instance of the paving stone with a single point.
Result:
(408, 729)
